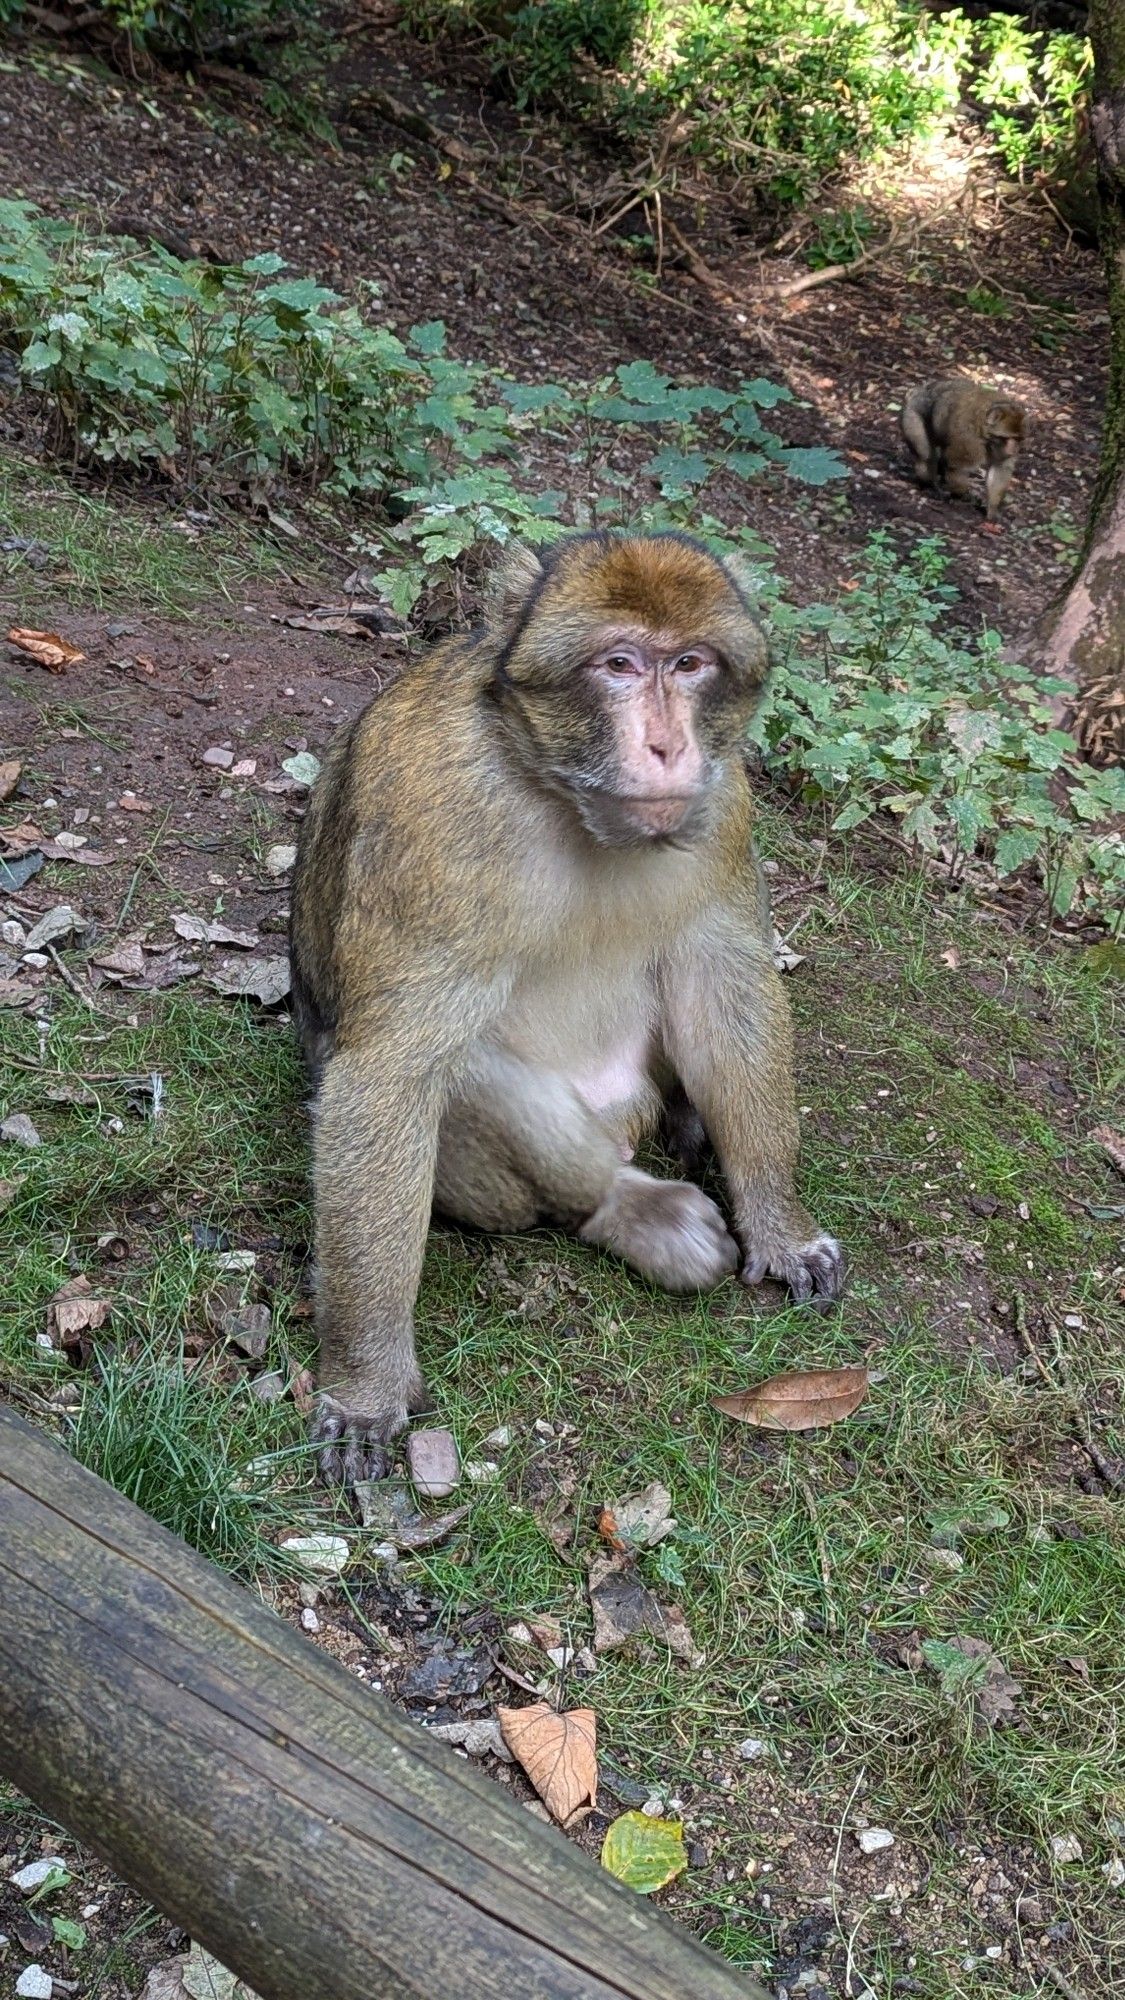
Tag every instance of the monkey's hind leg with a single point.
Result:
(519, 1146)
(915, 433)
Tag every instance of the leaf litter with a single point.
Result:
(644, 1852)
(969, 1665)
(48, 648)
(798, 1400)
(624, 1608)
(559, 1755)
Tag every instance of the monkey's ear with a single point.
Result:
(744, 575)
(517, 573)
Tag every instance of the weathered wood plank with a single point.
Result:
(310, 1836)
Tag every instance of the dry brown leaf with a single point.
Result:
(130, 803)
(559, 1754)
(73, 1313)
(624, 1607)
(9, 777)
(47, 647)
(1112, 1144)
(801, 1400)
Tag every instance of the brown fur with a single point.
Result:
(498, 991)
(954, 428)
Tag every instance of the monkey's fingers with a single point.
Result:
(348, 1447)
(813, 1271)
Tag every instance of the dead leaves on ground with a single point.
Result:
(624, 1607)
(800, 1400)
(644, 1852)
(559, 1754)
(9, 777)
(73, 1315)
(47, 648)
(968, 1665)
(639, 1522)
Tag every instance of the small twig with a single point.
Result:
(792, 287)
(1060, 1980)
(698, 266)
(1111, 1474)
(66, 974)
(146, 861)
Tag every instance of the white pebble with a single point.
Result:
(309, 1620)
(35, 1874)
(1114, 1872)
(1065, 1847)
(500, 1438)
(873, 1839)
(752, 1748)
(325, 1555)
(34, 1984)
(481, 1470)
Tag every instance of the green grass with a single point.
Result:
(112, 557)
(807, 1567)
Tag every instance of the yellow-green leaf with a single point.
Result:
(644, 1853)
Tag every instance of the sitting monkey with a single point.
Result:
(954, 427)
(527, 913)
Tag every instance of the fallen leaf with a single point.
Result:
(971, 1665)
(348, 621)
(1112, 1145)
(645, 1853)
(19, 1130)
(784, 957)
(13, 874)
(559, 1754)
(482, 1738)
(58, 923)
(623, 1607)
(73, 1313)
(198, 930)
(46, 647)
(801, 1400)
(303, 768)
(19, 839)
(130, 803)
(127, 962)
(205, 1979)
(639, 1522)
(9, 777)
(952, 958)
(263, 979)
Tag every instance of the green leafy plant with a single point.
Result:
(874, 710)
(840, 238)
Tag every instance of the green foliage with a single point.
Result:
(195, 27)
(228, 382)
(875, 710)
(841, 237)
(780, 92)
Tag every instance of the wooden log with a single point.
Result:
(312, 1838)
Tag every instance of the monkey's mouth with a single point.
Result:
(623, 817)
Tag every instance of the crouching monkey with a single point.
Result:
(527, 917)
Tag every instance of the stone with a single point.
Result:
(323, 1555)
(1065, 1847)
(435, 1467)
(34, 1984)
(35, 1873)
(279, 860)
(218, 757)
(18, 1130)
(874, 1839)
(752, 1748)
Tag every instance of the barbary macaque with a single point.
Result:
(954, 428)
(527, 914)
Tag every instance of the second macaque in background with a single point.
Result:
(955, 428)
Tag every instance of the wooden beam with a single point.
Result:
(312, 1838)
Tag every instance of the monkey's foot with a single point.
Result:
(669, 1230)
(813, 1271)
(351, 1443)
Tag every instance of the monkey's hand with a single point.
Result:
(352, 1437)
(813, 1270)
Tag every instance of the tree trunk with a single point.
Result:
(1082, 636)
(312, 1838)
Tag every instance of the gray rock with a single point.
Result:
(873, 1839)
(18, 1130)
(434, 1465)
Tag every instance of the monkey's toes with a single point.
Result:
(350, 1447)
(813, 1271)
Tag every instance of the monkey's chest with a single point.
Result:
(597, 1032)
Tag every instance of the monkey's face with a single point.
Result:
(629, 685)
(1004, 432)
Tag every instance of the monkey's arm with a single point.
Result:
(375, 1148)
(728, 1033)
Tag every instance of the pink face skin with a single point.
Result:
(650, 685)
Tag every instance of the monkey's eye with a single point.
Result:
(619, 663)
(690, 663)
